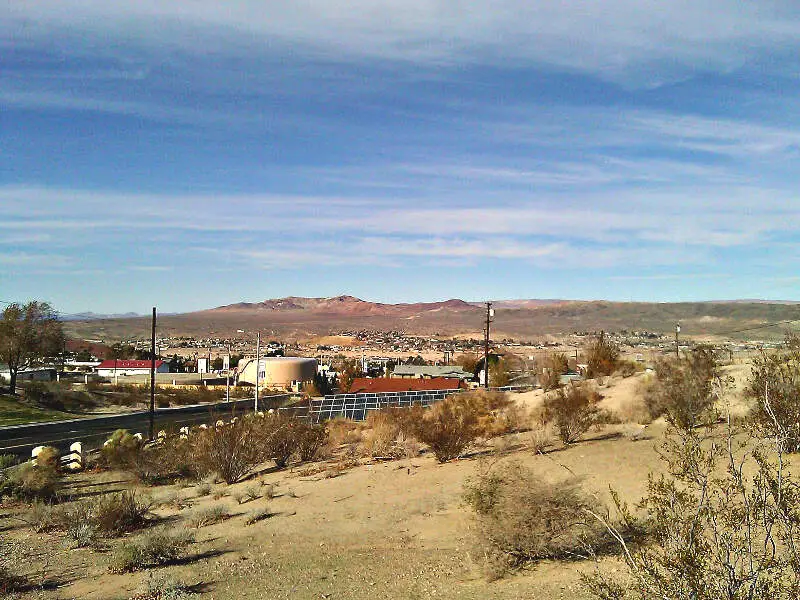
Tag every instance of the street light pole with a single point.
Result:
(677, 347)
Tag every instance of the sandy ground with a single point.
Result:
(380, 530)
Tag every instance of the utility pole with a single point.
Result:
(489, 315)
(228, 377)
(677, 348)
(153, 376)
(258, 365)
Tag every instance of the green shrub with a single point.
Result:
(154, 549)
(7, 460)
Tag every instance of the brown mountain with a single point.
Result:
(299, 318)
(343, 305)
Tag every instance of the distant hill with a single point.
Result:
(343, 305)
(300, 318)
(90, 316)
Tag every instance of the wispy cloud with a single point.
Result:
(619, 38)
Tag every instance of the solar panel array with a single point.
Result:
(357, 406)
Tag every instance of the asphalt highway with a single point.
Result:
(21, 439)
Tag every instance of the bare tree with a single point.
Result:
(28, 333)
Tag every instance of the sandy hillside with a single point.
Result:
(379, 530)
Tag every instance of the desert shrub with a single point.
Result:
(573, 410)
(81, 534)
(254, 491)
(602, 357)
(31, 482)
(280, 438)
(10, 582)
(685, 391)
(260, 514)
(195, 395)
(310, 438)
(382, 428)
(7, 460)
(154, 549)
(540, 437)
(42, 394)
(164, 588)
(626, 368)
(208, 516)
(553, 367)
(268, 490)
(171, 460)
(120, 450)
(48, 458)
(45, 517)
(203, 489)
(511, 418)
(231, 450)
(775, 386)
(448, 427)
(172, 499)
(499, 375)
(115, 514)
(523, 519)
(723, 521)
(343, 431)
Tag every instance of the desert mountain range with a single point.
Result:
(300, 318)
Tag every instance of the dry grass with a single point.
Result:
(154, 549)
(208, 516)
(343, 431)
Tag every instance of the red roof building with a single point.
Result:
(112, 367)
(363, 385)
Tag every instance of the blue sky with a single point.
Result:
(192, 154)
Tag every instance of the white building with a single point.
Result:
(121, 368)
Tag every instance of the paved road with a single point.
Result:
(21, 439)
